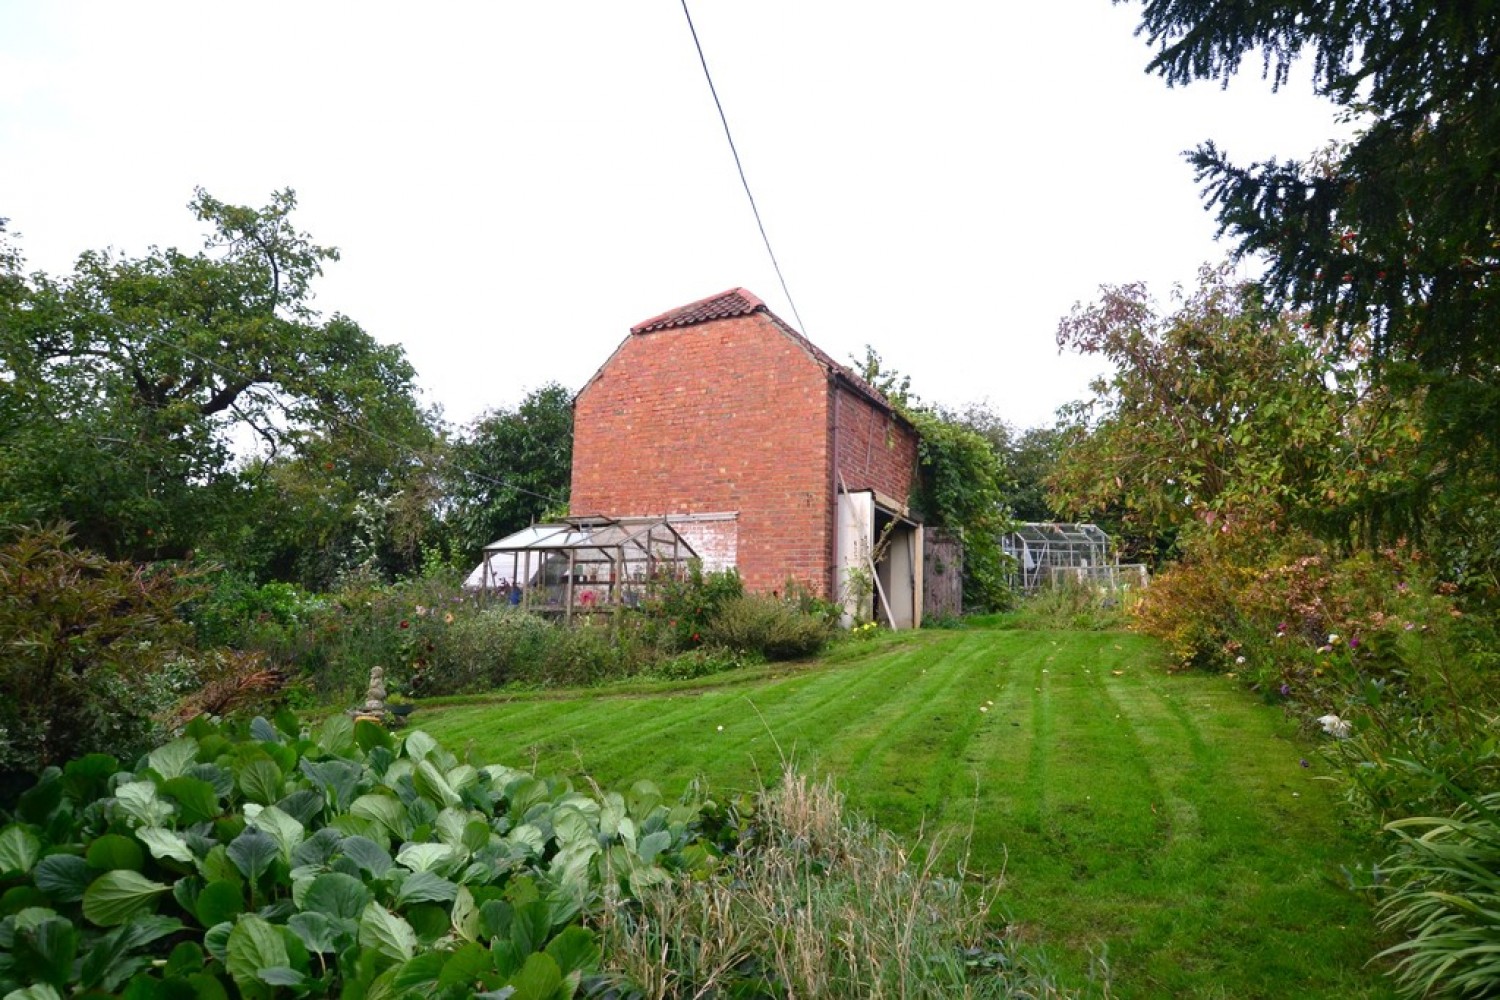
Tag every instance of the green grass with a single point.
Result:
(1159, 825)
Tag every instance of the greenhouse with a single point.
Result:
(582, 565)
(1048, 553)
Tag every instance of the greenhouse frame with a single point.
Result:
(582, 565)
(1048, 553)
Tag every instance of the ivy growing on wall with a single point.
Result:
(960, 483)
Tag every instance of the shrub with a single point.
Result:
(1193, 609)
(767, 626)
(346, 863)
(94, 650)
(365, 624)
(236, 613)
(477, 652)
(678, 615)
(816, 904)
(500, 645)
(802, 597)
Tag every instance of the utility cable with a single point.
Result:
(802, 327)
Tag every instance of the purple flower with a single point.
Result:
(1354, 643)
(1286, 689)
(1304, 762)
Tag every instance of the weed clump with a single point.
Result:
(818, 903)
(1075, 605)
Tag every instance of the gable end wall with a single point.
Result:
(728, 415)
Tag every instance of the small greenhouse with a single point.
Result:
(582, 565)
(1048, 553)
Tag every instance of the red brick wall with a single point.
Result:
(875, 451)
(730, 415)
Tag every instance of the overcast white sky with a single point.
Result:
(514, 185)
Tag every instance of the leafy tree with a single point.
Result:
(1028, 462)
(1228, 411)
(127, 382)
(1395, 232)
(1026, 458)
(344, 503)
(511, 468)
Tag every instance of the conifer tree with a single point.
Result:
(1395, 230)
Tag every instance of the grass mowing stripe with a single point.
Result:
(904, 768)
(1152, 727)
(826, 708)
(1223, 889)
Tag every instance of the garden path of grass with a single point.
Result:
(1160, 823)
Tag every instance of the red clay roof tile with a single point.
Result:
(735, 302)
(742, 302)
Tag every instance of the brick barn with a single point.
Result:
(764, 453)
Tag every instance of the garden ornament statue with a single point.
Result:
(374, 706)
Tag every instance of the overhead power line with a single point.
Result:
(741, 168)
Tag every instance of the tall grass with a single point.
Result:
(1444, 901)
(1074, 605)
(819, 903)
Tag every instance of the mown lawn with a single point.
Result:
(1158, 826)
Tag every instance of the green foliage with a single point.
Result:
(432, 638)
(329, 643)
(1073, 605)
(961, 488)
(1028, 463)
(348, 506)
(237, 613)
(501, 646)
(341, 862)
(509, 469)
(1226, 411)
(768, 626)
(93, 650)
(1397, 227)
(127, 379)
(1444, 885)
(680, 610)
(701, 662)
(1392, 235)
(1026, 458)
